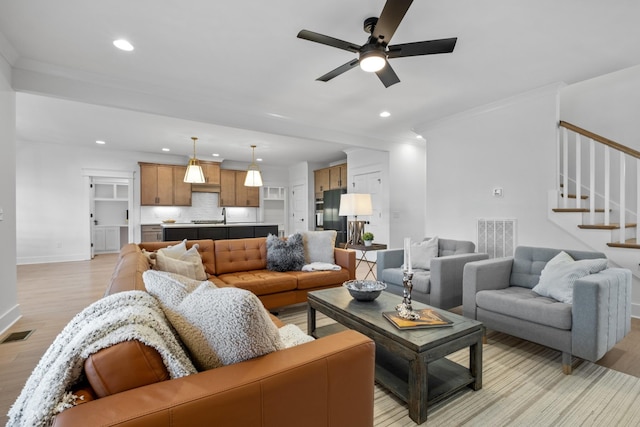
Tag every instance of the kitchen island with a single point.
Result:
(216, 231)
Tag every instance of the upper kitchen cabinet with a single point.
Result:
(329, 178)
(338, 176)
(233, 191)
(227, 188)
(162, 185)
(321, 181)
(246, 196)
(211, 171)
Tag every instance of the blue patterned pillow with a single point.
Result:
(285, 255)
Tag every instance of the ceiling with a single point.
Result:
(234, 73)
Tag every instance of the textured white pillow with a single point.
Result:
(423, 252)
(169, 287)
(219, 326)
(319, 245)
(188, 264)
(560, 274)
(175, 251)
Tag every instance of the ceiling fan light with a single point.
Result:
(372, 61)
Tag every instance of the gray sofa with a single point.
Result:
(441, 285)
(498, 292)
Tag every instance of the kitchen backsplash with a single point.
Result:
(203, 206)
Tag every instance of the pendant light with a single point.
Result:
(253, 179)
(194, 173)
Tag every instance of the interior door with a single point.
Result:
(298, 208)
(92, 215)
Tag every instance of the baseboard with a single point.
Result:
(51, 258)
(635, 310)
(10, 317)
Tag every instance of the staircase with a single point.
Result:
(598, 196)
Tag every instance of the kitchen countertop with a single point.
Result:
(231, 224)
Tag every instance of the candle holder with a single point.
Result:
(404, 309)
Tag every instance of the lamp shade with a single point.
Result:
(194, 174)
(253, 179)
(355, 204)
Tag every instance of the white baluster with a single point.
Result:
(592, 181)
(607, 185)
(623, 198)
(578, 172)
(565, 167)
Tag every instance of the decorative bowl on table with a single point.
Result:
(364, 290)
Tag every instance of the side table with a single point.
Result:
(364, 249)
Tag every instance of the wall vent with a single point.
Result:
(17, 336)
(496, 237)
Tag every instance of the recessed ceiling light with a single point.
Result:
(258, 160)
(216, 155)
(123, 44)
(385, 114)
(419, 136)
(166, 149)
(100, 142)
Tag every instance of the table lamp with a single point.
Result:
(355, 204)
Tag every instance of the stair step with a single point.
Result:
(573, 196)
(583, 210)
(629, 244)
(604, 227)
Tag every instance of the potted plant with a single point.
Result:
(368, 238)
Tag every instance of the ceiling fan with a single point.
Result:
(373, 55)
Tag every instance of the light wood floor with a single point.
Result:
(51, 294)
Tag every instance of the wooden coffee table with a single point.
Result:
(409, 363)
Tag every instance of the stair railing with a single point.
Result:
(568, 131)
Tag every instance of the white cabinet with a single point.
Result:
(106, 239)
(274, 204)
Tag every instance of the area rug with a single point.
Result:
(523, 385)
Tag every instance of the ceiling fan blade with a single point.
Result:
(390, 18)
(429, 47)
(387, 76)
(341, 69)
(329, 41)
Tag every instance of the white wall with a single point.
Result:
(511, 145)
(52, 206)
(607, 105)
(9, 309)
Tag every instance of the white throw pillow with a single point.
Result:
(175, 251)
(188, 264)
(319, 246)
(169, 287)
(219, 326)
(560, 274)
(423, 252)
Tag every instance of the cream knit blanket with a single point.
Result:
(119, 317)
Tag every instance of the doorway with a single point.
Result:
(112, 215)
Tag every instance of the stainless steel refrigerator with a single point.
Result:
(330, 218)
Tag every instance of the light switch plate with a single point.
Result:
(497, 192)
(1, 214)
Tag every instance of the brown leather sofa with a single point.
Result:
(326, 382)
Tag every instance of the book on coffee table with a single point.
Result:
(428, 319)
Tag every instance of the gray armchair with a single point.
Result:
(498, 292)
(441, 285)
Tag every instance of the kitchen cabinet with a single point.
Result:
(106, 239)
(227, 187)
(321, 181)
(163, 185)
(246, 196)
(233, 192)
(218, 232)
(171, 234)
(330, 178)
(211, 171)
(151, 233)
(338, 176)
